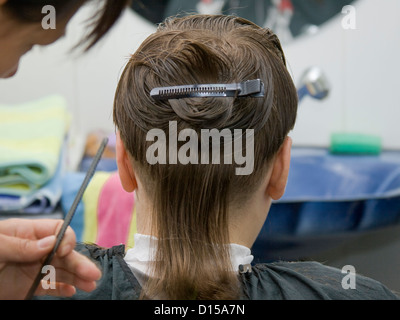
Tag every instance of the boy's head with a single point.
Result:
(199, 200)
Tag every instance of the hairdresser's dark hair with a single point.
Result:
(190, 202)
(30, 11)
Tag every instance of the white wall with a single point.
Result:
(88, 81)
(362, 66)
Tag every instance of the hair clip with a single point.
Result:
(250, 88)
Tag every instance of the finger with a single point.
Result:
(30, 229)
(68, 279)
(75, 270)
(35, 230)
(68, 243)
(14, 249)
(47, 227)
(55, 290)
(78, 266)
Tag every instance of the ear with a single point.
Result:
(280, 171)
(125, 169)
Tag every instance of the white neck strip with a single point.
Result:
(142, 254)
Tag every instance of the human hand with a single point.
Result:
(24, 244)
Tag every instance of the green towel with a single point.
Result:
(31, 138)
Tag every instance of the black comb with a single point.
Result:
(68, 218)
(250, 88)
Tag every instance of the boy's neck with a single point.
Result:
(245, 222)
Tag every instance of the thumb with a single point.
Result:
(14, 249)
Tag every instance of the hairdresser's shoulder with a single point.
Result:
(310, 281)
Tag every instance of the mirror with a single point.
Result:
(287, 18)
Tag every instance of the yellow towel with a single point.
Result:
(31, 138)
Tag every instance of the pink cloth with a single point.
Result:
(115, 213)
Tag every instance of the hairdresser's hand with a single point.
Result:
(24, 244)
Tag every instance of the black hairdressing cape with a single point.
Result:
(272, 281)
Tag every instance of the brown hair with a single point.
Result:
(30, 11)
(190, 202)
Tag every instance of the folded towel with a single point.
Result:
(31, 137)
(41, 201)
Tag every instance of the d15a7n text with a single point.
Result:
(215, 309)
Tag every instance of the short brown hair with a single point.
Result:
(190, 201)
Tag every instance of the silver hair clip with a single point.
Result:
(250, 88)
